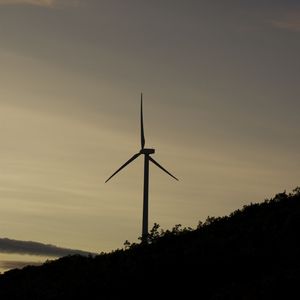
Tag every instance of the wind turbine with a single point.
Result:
(146, 152)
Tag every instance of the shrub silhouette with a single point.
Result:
(251, 254)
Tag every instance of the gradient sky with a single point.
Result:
(221, 106)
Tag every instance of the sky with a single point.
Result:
(221, 90)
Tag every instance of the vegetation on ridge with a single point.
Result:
(251, 254)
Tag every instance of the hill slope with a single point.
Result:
(251, 254)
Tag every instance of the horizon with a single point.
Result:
(221, 108)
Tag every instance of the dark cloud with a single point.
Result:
(35, 248)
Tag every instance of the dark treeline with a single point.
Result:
(254, 253)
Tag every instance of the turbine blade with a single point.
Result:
(123, 166)
(142, 124)
(161, 167)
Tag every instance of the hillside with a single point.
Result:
(251, 254)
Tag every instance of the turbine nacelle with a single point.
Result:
(147, 151)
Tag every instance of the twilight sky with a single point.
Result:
(221, 107)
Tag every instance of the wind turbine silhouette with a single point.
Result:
(146, 152)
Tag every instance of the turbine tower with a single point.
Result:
(146, 152)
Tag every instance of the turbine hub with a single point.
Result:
(147, 151)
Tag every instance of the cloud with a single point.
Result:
(290, 22)
(16, 264)
(35, 248)
(44, 3)
(30, 2)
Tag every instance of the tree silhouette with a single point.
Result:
(251, 254)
